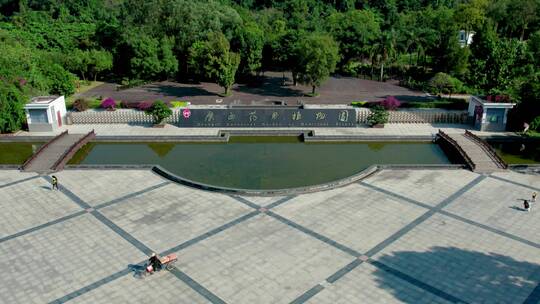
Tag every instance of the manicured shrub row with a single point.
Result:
(392, 103)
(83, 104)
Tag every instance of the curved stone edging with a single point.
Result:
(290, 191)
(99, 167)
(270, 192)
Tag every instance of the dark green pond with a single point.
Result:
(262, 163)
(518, 152)
(16, 153)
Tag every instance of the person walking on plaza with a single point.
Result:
(54, 182)
(526, 205)
(534, 197)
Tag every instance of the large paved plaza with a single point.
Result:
(399, 236)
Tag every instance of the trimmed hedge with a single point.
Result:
(448, 105)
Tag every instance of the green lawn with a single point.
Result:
(83, 88)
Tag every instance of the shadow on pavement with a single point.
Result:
(468, 275)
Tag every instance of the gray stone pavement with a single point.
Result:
(395, 129)
(399, 236)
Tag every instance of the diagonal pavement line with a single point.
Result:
(308, 294)
(137, 244)
(344, 270)
(91, 287)
(357, 262)
(68, 217)
(196, 286)
(454, 216)
(100, 217)
(131, 195)
(18, 181)
(39, 227)
(331, 279)
(515, 183)
(210, 233)
(280, 201)
(417, 283)
(122, 233)
(315, 235)
(488, 228)
(352, 265)
(77, 200)
(395, 195)
(245, 201)
(394, 237)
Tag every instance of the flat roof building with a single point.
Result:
(45, 113)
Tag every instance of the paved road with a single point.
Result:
(400, 236)
(336, 90)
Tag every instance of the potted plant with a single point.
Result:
(378, 117)
(109, 104)
(159, 112)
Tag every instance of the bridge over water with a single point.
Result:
(54, 154)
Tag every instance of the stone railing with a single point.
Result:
(120, 116)
(130, 116)
(420, 116)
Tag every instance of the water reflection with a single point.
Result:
(16, 153)
(263, 163)
(518, 152)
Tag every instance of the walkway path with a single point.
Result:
(171, 130)
(399, 236)
(483, 161)
(46, 159)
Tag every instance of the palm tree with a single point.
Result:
(385, 49)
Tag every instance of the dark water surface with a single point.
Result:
(518, 152)
(262, 163)
(16, 153)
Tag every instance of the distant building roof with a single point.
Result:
(41, 102)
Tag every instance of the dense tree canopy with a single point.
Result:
(48, 44)
(318, 56)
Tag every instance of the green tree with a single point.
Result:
(441, 83)
(60, 81)
(249, 42)
(378, 115)
(12, 101)
(100, 61)
(385, 50)
(318, 55)
(471, 15)
(534, 48)
(148, 57)
(521, 13)
(286, 56)
(498, 65)
(354, 30)
(159, 111)
(214, 58)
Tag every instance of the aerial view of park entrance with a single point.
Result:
(270, 151)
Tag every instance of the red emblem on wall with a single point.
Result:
(186, 113)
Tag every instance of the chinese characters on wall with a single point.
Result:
(269, 118)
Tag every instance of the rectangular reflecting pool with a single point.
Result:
(260, 162)
(16, 153)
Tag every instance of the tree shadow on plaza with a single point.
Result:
(179, 90)
(270, 86)
(467, 275)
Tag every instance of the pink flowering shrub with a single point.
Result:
(108, 103)
(391, 103)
